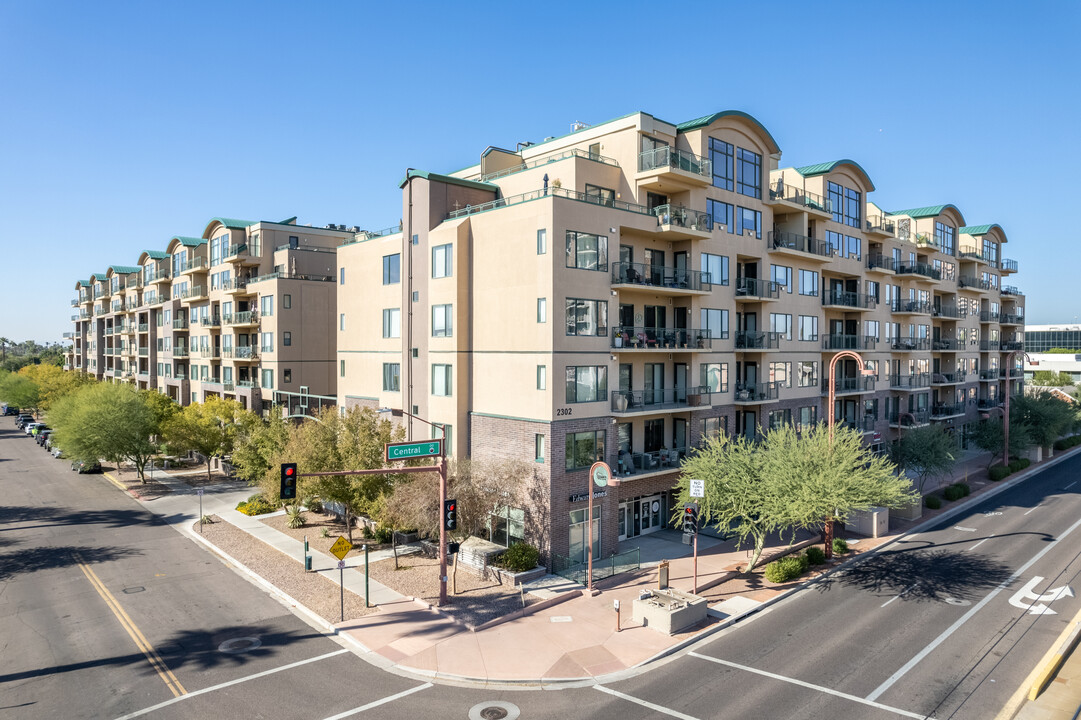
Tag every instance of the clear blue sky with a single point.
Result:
(124, 124)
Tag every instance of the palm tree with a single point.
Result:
(4, 342)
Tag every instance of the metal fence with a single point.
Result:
(576, 571)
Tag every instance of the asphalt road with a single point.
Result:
(107, 612)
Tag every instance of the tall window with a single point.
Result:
(587, 383)
(441, 261)
(748, 220)
(716, 322)
(341, 322)
(721, 215)
(542, 310)
(267, 342)
(255, 245)
(268, 379)
(587, 317)
(341, 368)
(782, 276)
(781, 372)
(392, 269)
(542, 377)
(779, 418)
(808, 327)
(586, 251)
(584, 448)
(836, 195)
(807, 373)
(720, 156)
(714, 377)
(944, 237)
(392, 377)
(392, 322)
(836, 242)
(538, 447)
(717, 268)
(442, 321)
(852, 208)
(341, 276)
(441, 380)
(808, 282)
(542, 241)
(781, 323)
(749, 173)
(806, 417)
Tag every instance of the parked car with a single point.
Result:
(11, 411)
(43, 437)
(23, 419)
(86, 467)
(29, 428)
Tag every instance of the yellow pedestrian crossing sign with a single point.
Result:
(341, 548)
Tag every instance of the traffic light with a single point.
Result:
(450, 514)
(690, 519)
(289, 481)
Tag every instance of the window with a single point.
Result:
(586, 251)
(287, 376)
(587, 317)
(944, 237)
(287, 339)
(782, 276)
(873, 290)
(600, 195)
(779, 418)
(416, 239)
(836, 196)
(392, 322)
(749, 173)
(442, 261)
(416, 296)
(268, 379)
(255, 245)
(836, 242)
(717, 268)
(542, 377)
(852, 211)
(341, 322)
(441, 380)
(806, 417)
(716, 322)
(587, 383)
(392, 269)
(287, 302)
(542, 241)
(508, 524)
(538, 447)
(808, 282)
(712, 428)
(870, 329)
(267, 342)
(442, 321)
(714, 377)
(341, 276)
(720, 215)
(542, 310)
(853, 247)
(807, 373)
(748, 221)
(808, 327)
(583, 449)
(341, 368)
(266, 305)
(781, 372)
(781, 323)
(720, 155)
(392, 377)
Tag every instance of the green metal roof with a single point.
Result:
(705, 120)
(82, 283)
(97, 276)
(929, 211)
(188, 241)
(979, 229)
(288, 221)
(826, 167)
(156, 254)
(232, 223)
(435, 177)
(124, 269)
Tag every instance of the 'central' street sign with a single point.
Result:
(415, 449)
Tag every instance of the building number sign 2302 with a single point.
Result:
(563, 411)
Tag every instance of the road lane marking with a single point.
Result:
(645, 703)
(1037, 607)
(132, 629)
(965, 618)
(377, 703)
(964, 529)
(1033, 508)
(212, 688)
(981, 542)
(1070, 485)
(899, 594)
(828, 691)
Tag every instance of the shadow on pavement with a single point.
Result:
(55, 557)
(61, 516)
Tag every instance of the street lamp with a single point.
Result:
(1006, 414)
(442, 468)
(600, 474)
(830, 400)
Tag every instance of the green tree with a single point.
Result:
(988, 435)
(1045, 417)
(20, 391)
(53, 382)
(1050, 378)
(925, 452)
(259, 442)
(208, 428)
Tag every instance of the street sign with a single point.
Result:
(341, 548)
(601, 474)
(698, 488)
(199, 492)
(341, 564)
(415, 449)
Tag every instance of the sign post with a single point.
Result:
(340, 549)
(199, 492)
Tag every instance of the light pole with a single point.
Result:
(600, 474)
(442, 467)
(830, 400)
(1006, 414)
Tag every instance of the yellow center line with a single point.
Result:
(133, 631)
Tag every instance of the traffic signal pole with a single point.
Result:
(442, 466)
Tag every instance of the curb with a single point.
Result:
(1048, 664)
(1051, 667)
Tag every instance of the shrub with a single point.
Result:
(256, 496)
(325, 532)
(383, 534)
(295, 517)
(952, 492)
(965, 489)
(255, 505)
(933, 502)
(519, 557)
(208, 520)
(840, 546)
(242, 506)
(815, 555)
(786, 568)
(314, 504)
(1067, 442)
(998, 472)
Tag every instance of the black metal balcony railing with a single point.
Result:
(878, 223)
(683, 217)
(946, 344)
(842, 385)
(975, 254)
(941, 378)
(757, 392)
(668, 157)
(942, 411)
(908, 382)
(1015, 373)
(991, 374)
(780, 191)
(756, 288)
(628, 401)
(880, 261)
(988, 345)
(865, 424)
(848, 342)
(1008, 345)
(630, 337)
(900, 305)
(849, 299)
(910, 344)
(949, 311)
(1008, 319)
(758, 340)
(924, 269)
(910, 418)
(778, 240)
(986, 316)
(1011, 290)
(624, 273)
(1009, 265)
(988, 403)
(971, 281)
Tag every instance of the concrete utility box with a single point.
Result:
(670, 611)
(870, 523)
(662, 575)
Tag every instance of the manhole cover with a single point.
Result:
(240, 644)
(956, 601)
(494, 710)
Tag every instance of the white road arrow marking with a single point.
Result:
(1026, 593)
(964, 529)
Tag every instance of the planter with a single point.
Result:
(621, 403)
(506, 577)
(670, 611)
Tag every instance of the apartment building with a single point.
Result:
(244, 311)
(623, 292)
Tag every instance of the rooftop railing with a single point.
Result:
(546, 160)
(668, 157)
(780, 191)
(551, 191)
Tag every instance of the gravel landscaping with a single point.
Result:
(129, 478)
(313, 526)
(312, 590)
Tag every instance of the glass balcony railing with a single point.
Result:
(777, 240)
(211, 321)
(241, 318)
(671, 216)
(755, 288)
(144, 351)
(1009, 265)
(624, 273)
(757, 392)
(192, 265)
(630, 337)
(880, 224)
(758, 340)
(246, 384)
(780, 191)
(210, 352)
(636, 401)
(673, 159)
(848, 299)
(180, 324)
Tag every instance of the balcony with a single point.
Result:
(848, 342)
(236, 287)
(789, 243)
(75, 303)
(193, 294)
(800, 199)
(910, 307)
(671, 281)
(158, 276)
(910, 419)
(144, 327)
(947, 345)
(194, 265)
(667, 170)
(986, 316)
(850, 385)
(916, 381)
(921, 271)
(210, 322)
(180, 324)
(246, 384)
(228, 387)
(910, 344)
(1008, 266)
(248, 317)
(757, 341)
(239, 254)
(949, 312)
(880, 225)
(988, 345)
(877, 262)
(627, 337)
(144, 351)
(847, 300)
(1008, 319)
(940, 378)
(989, 375)
(1011, 345)
(971, 282)
(633, 463)
(1011, 290)
(628, 402)
(240, 352)
(180, 351)
(755, 393)
(946, 411)
(755, 290)
(675, 222)
(975, 255)
(161, 298)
